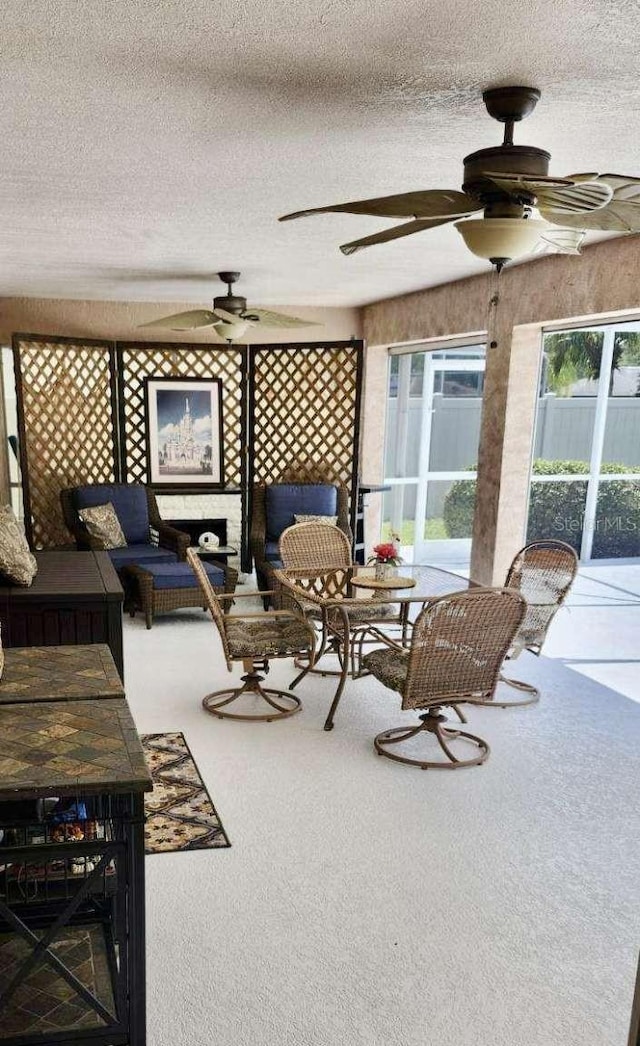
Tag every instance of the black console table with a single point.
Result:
(72, 956)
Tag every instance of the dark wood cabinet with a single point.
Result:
(75, 598)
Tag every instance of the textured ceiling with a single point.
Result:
(146, 145)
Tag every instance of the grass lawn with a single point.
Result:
(434, 530)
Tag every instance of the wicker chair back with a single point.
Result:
(543, 573)
(212, 600)
(314, 546)
(458, 645)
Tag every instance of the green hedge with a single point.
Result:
(556, 510)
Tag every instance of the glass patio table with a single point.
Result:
(348, 602)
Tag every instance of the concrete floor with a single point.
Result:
(597, 632)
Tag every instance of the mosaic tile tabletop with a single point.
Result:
(59, 673)
(53, 748)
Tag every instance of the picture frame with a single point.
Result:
(183, 422)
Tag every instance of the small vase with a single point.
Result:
(382, 570)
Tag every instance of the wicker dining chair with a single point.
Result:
(321, 547)
(458, 643)
(254, 639)
(543, 573)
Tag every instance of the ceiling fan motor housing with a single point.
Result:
(231, 303)
(503, 159)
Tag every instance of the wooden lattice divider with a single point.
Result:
(305, 408)
(140, 360)
(66, 418)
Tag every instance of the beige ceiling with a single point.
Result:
(147, 144)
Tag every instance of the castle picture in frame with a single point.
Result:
(184, 431)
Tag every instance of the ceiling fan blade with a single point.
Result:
(616, 181)
(511, 182)
(561, 195)
(556, 240)
(185, 321)
(429, 203)
(266, 318)
(406, 229)
(575, 199)
(621, 214)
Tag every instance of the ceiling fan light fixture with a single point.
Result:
(500, 239)
(231, 331)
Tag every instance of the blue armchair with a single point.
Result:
(137, 511)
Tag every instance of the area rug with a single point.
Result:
(179, 811)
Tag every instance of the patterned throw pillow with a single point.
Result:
(103, 524)
(316, 519)
(16, 561)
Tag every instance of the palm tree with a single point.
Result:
(572, 355)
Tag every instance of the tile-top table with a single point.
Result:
(73, 749)
(59, 673)
(73, 880)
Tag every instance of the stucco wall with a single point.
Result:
(605, 279)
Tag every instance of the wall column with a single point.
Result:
(506, 436)
(5, 488)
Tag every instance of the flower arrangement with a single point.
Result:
(387, 552)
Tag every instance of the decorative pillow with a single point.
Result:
(16, 559)
(316, 519)
(102, 523)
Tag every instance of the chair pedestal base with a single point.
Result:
(215, 702)
(523, 688)
(431, 722)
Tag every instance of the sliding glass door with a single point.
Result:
(433, 425)
(585, 482)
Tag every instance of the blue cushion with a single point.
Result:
(128, 499)
(180, 575)
(284, 500)
(140, 555)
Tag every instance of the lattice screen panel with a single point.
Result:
(306, 402)
(139, 360)
(67, 426)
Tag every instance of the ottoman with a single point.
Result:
(159, 587)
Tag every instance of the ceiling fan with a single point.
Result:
(509, 184)
(229, 315)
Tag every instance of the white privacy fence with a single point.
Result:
(564, 431)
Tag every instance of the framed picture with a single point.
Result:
(184, 432)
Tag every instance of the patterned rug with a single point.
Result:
(180, 814)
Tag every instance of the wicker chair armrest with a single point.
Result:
(172, 538)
